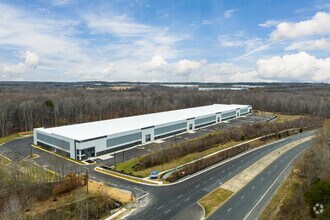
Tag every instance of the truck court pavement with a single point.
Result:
(178, 201)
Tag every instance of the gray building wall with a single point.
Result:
(111, 142)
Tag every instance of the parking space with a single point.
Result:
(17, 149)
(176, 139)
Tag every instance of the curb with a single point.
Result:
(204, 212)
(66, 158)
(234, 193)
(130, 179)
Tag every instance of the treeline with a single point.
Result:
(23, 187)
(23, 108)
(244, 132)
(307, 185)
(225, 154)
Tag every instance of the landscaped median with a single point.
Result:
(215, 199)
(196, 154)
(211, 202)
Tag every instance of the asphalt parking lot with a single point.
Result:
(19, 149)
(154, 146)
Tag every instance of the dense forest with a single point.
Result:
(25, 106)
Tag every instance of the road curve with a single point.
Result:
(251, 200)
(169, 202)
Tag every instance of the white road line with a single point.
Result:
(262, 179)
(160, 207)
(229, 210)
(272, 185)
(242, 197)
(223, 171)
(167, 211)
(197, 186)
(253, 187)
(179, 196)
(211, 178)
(268, 172)
(186, 199)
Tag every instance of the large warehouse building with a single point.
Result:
(81, 141)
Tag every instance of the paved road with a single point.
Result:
(134, 152)
(249, 202)
(171, 201)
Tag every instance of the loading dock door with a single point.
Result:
(148, 137)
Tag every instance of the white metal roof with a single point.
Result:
(96, 129)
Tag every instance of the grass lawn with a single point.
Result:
(4, 161)
(127, 166)
(8, 138)
(13, 136)
(37, 171)
(281, 117)
(214, 199)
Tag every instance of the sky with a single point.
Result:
(165, 40)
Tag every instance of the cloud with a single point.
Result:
(229, 13)
(250, 76)
(61, 2)
(317, 25)
(157, 62)
(239, 41)
(67, 56)
(131, 39)
(117, 25)
(269, 23)
(319, 44)
(255, 50)
(31, 62)
(186, 66)
(295, 67)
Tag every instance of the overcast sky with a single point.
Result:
(165, 40)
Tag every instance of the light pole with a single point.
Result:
(86, 170)
(114, 156)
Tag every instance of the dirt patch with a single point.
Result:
(94, 190)
(114, 193)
